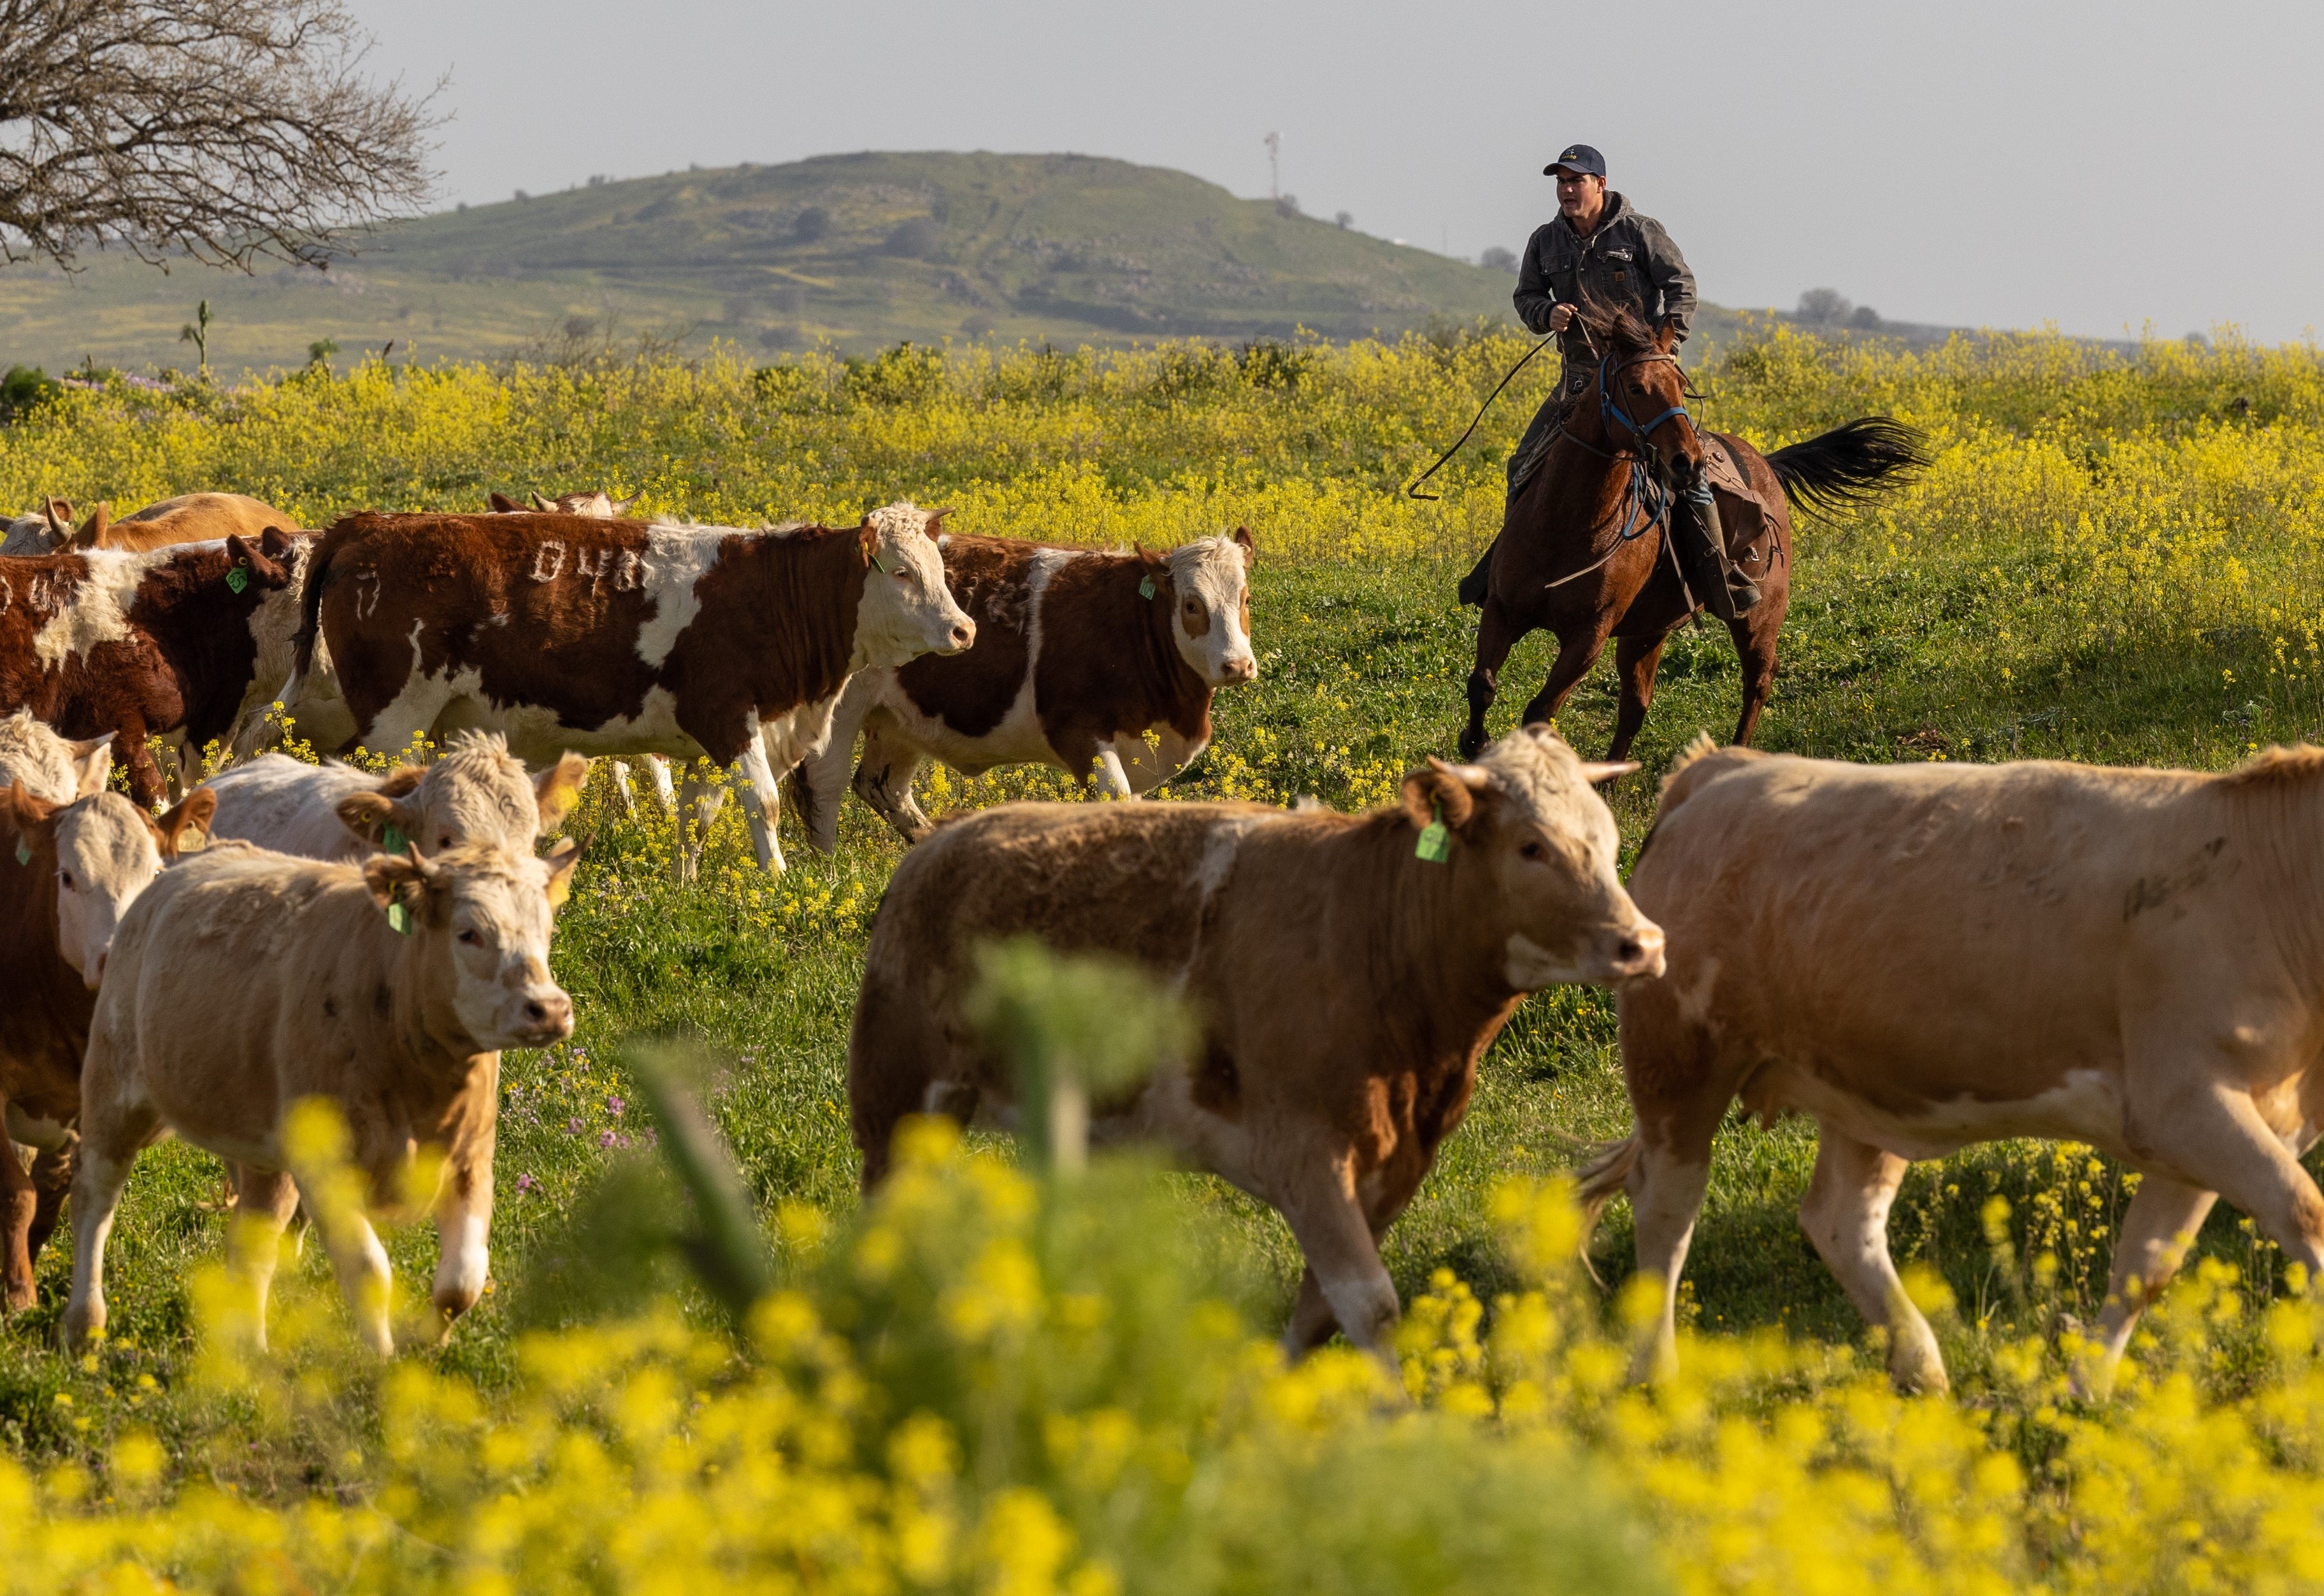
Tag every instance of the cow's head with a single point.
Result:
(103, 851)
(906, 610)
(1210, 618)
(598, 505)
(478, 794)
(56, 768)
(265, 566)
(1539, 846)
(480, 921)
(92, 534)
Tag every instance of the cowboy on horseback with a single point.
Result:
(1599, 251)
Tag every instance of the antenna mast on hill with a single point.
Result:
(1274, 143)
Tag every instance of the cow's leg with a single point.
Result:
(1755, 637)
(1112, 780)
(1634, 659)
(136, 756)
(2205, 1131)
(17, 1202)
(761, 793)
(622, 791)
(1312, 1319)
(665, 789)
(1318, 1200)
(2157, 1229)
(1497, 634)
(699, 800)
(1845, 1214)
(264, 1200)
(53, 1173)
(1575, 655)
(365, 1278)
(463, 1220)
(1666, 1190)
(883, 777)
(109, 1145)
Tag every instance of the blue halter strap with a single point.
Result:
(1610, 412)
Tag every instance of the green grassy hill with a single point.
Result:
(860, 250)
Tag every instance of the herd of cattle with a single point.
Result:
(1919, 957)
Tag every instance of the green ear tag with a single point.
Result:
(1435, 844)
(876, 565)
(236, 580)
(398, 918)
(24, 851)
(1146, 588)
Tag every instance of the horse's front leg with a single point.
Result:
(1577, 651)
(1634, 659)
(1497, 634)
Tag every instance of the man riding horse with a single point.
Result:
(1600, 251)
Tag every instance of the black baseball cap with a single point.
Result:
(1577, 158)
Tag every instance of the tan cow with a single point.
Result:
(597, 504)
(403, 1033)
(67, 874)
(53, 769)
(478, 793)
(1345, 983)
(190, 518)
(1926, 956)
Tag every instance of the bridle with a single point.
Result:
(1609, 410)
(1647, 503)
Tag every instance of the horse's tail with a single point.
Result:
(1850, 465)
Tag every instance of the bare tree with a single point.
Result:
(224, 130)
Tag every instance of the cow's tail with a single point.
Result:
(1851, 466)
(1604, 1171)
(310, 615)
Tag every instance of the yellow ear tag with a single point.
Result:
(1435, 844)
(1146, 588)
(236, 580)
(398, 918)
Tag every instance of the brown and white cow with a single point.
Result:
(1102, 665)
(1927, 956)
(1345, 983)
(67, 874)
(403, 1033)
(615, 636)
(478, 794)
(57, 769)
(190, 518)
(143, 646)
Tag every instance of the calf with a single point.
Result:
(1927, 956)
(190, 518)
(67, 874)
(52, 767)
(477, 795)
(1346, 971)
(1099, 665)
(144, 645)
(622, 636)
(403, 1033)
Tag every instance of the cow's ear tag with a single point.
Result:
(236, 580)
(876, 565)
(1146, 588)
(1435, 844)
(398, 918)
(24, 851)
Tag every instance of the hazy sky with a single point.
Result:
(2101, 167)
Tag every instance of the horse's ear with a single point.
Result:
(1666, 335)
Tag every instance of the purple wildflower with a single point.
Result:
(523, 1184)
(573, 1126)
(607, 1139)
(613, 1106)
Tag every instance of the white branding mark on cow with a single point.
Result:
(544, 567)
(676, 560)
(595, 572)
(96, 610)
(629, 572)
(367, 590)
(7, 595)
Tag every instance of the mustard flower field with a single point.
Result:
(998, 1378)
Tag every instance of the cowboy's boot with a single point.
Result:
(1719, 582)
(1480, 580)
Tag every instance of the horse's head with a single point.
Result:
(1642, 392)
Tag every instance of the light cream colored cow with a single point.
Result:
(1927, 956)
(56, 769)
(190, 518)
(314, 994)
(478, 793)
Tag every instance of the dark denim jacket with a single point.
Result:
(1627, 259)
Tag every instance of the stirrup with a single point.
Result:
(1743, 594)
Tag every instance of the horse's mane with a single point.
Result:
(1613, 327)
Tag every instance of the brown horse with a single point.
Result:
(1584, 547)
